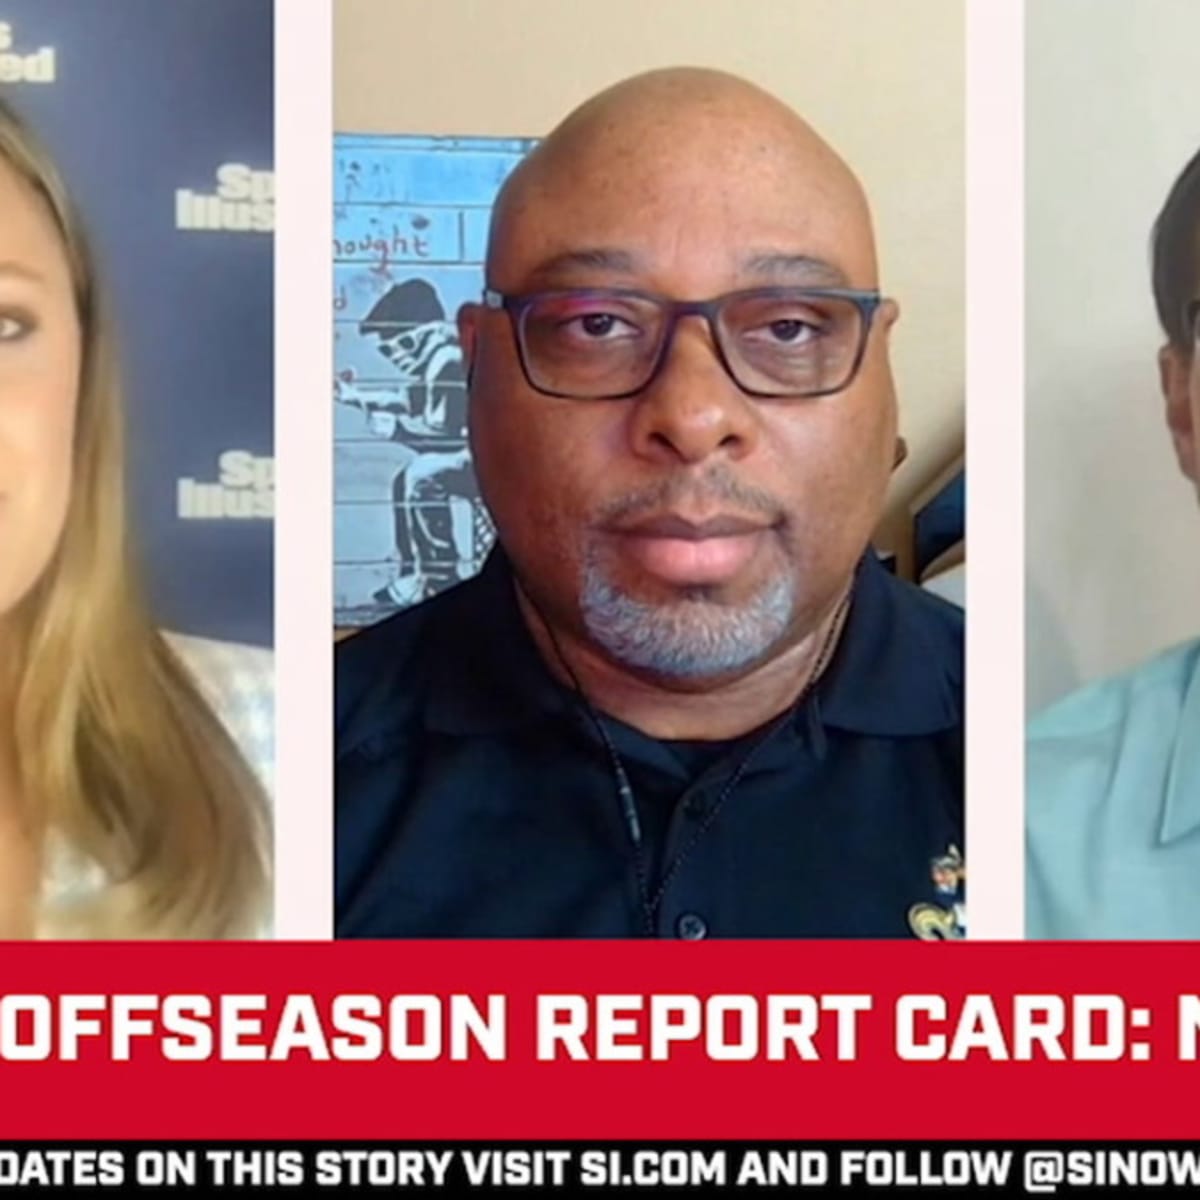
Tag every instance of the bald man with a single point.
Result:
(682, 699)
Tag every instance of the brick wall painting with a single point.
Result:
(410, 230)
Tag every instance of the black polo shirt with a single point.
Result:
(475, 797)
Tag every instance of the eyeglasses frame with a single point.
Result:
(517, 307)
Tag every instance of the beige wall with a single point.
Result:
(1112, 531)
(881, 79)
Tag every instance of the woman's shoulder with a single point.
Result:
(238, 681)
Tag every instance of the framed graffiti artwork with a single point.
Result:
(410, 230)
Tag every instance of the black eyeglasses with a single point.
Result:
(610, 343)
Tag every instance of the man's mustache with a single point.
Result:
(716, 487)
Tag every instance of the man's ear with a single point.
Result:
(1174, 373)
(468, 334)
(888, 315)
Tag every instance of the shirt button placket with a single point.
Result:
(691, 927)
(694, 804)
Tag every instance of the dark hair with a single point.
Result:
(1175, 250)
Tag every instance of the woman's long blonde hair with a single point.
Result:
(120, 760)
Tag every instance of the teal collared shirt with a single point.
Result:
(1113, 807)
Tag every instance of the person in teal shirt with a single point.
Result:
(1113, 798)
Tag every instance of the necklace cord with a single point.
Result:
(625, 794)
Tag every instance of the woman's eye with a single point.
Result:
(12, 328)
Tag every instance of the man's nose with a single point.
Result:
(692, 408)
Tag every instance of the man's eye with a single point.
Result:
(792, 330)
(598, 326)
(788, 331)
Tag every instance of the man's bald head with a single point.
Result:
(692, 128)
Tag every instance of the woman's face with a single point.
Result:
(40, 350)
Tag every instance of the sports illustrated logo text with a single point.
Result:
(18, 65)
(243, 490)
(243, 201)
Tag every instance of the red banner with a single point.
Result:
(599, 1040)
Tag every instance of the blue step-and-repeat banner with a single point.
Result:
(160, 115)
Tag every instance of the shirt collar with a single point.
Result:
(898, 667)
(896, 672)
(1181, 802)
(489, 677)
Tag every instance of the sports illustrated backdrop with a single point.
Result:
(410, 232)
(160, 115)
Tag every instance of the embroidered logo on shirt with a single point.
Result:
(947, 919)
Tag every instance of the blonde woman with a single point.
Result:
(133, 766)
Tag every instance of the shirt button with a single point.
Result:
(691, 928)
